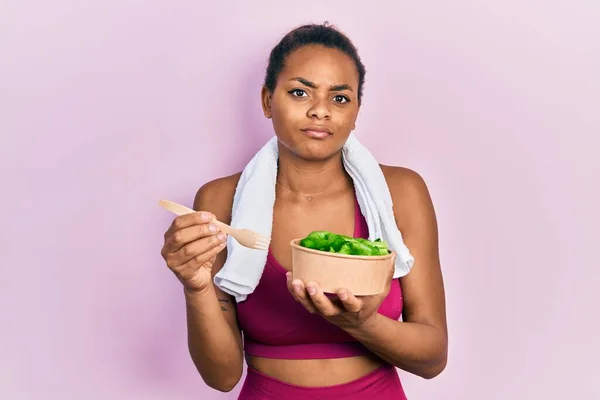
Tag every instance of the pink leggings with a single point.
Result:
(383, 383)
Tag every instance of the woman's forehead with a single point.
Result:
(320, 64)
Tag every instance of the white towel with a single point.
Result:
(253, 209)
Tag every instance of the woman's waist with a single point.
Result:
(311, 372)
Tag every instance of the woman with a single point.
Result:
(312, 93)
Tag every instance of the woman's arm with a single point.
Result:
(214, 338)
(419, 344)
(415, 347)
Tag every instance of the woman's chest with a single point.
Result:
(292, 221)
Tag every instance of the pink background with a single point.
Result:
(108, 106)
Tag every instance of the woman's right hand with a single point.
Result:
(191, 247)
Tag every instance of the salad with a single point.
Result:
(340, 244)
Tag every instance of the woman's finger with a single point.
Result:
(182, 237)
(189, 269)
(298, 291)
(321, 301)
(350, 302)
(198, 248)
(187, 220)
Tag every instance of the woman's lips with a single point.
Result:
(316, 133)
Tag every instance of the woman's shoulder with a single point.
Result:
(216, 196)
(408, 189)
(402, 178)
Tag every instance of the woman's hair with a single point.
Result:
(307, 35)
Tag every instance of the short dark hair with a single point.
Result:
(307, 35)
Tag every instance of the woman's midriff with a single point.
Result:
(310, 373)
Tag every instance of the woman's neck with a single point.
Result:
(312, 178)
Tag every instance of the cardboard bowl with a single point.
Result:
(361, 275)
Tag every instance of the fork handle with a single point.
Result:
(179, 209)
(223, 227)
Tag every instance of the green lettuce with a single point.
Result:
(340, 244)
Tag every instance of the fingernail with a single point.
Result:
(288, 276)
(205, 216)
(212, 228)
(222, 236)
(343, 296)
(296, 287)
(311, 290)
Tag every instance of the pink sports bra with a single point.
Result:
(276, 326)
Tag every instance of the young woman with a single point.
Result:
(298, 342)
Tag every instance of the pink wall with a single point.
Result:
(108, 106)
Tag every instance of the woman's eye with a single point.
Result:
(298, 92)
(340, 99)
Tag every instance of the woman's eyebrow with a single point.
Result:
(333, 88)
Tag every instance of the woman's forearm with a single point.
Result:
(214, 346)
(414, 347)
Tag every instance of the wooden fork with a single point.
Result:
(245, 237)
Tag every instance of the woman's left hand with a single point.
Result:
(347, 311)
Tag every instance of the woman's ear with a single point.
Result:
(355, 118)
(266, 101)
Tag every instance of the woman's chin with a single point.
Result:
(318, 151)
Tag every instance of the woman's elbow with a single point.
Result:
(224, 380)
(434, 370)
(224, 384)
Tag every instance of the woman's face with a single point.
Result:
(315, 102)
